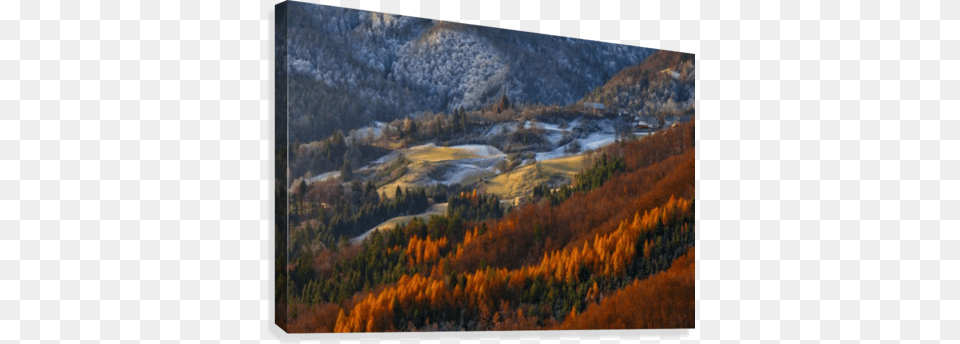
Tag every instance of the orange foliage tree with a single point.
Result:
(664, 300)
(482, 290)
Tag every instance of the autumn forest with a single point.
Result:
(617, 256)
(435, 176)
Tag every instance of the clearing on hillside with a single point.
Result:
(431, 152)
(430, 165)
(520, 182)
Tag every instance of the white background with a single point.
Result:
(136, 172)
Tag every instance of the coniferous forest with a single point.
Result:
(437, 176)
(612, 251)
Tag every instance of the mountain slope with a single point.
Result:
(663, 82)
(348, 67)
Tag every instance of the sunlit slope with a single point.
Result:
(521, 181)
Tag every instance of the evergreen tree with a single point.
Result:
(346, 171)
(456, 121)
(300, 192)
(503, 104)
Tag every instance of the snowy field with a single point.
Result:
(481, 150)
(467, 164)
(593, 142)
(324, 176)
(462, 170)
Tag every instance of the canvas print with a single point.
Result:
(438, 176)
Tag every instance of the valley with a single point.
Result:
(562, 145)
(417, 202)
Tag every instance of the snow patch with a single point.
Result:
(556, 153)
(464, 171)
(593, 142)
(597, 140)
(324, 176)
(550, 127)
(500, 128)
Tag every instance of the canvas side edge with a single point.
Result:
(282, 299)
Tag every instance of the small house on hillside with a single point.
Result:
(643, 125)
(595, 107)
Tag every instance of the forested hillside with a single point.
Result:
(348, 68)
(447, 177)
(659, 87)
(614, 251)
(662, 85)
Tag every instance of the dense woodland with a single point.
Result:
(661, 85)
(327, 213)
(588, 179)
(612, 250)
(346, 68)
(474, 207)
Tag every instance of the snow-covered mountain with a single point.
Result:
(349, 67)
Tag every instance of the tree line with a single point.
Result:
(588, 179)
(538, 267)
(563, 282)
(329, 213)
(474, 207)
